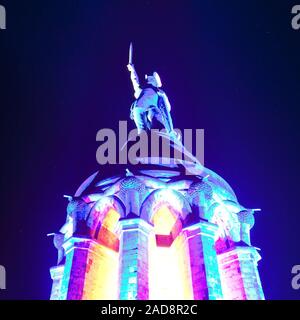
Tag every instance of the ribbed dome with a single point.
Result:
(139, 175)
(132, 183)
(200, 187)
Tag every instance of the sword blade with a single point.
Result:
(130, 53)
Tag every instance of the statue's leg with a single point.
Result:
(165, 119)
(159, 118)
(169, 121)
(140, 119)
(151, 114)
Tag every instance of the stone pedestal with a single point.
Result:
(134, 259)
(203, 261)
(56, 276)
(239, 274)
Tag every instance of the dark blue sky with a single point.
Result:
(230, 67)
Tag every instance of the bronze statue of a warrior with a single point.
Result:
(151, 101)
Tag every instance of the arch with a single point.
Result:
(224, 214)
(166, 209)
(103, 221)
(172, 199)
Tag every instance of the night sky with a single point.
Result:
(230, 67)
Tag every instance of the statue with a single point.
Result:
(151, 102)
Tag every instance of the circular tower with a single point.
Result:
(151, 232)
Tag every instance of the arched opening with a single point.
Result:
(103, 264)
(106, 233)
(169, 273)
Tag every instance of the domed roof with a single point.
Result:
(155, 176)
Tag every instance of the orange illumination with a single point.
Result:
(111, 219)
(169, 271)
(163, 221)
(101, 276)
(107, 235)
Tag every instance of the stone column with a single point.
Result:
(203, 260)
(89, 271)
(56, 276)
(239, 274)
(134, 259)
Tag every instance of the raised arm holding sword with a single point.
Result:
(151, 101)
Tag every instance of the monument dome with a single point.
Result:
(153, 232)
